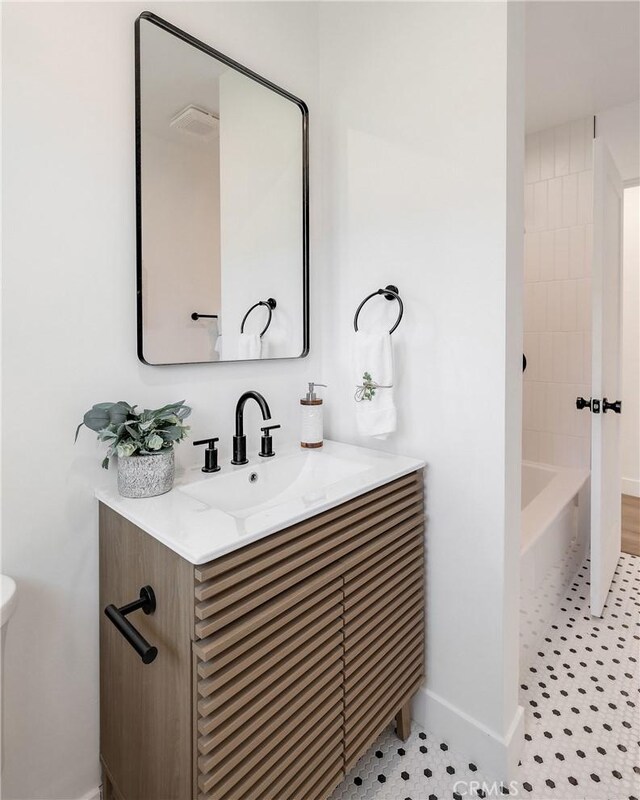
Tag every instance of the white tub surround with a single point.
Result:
(206, 516)
(555, 541)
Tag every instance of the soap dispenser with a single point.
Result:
(311, 428)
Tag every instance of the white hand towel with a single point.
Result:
(249, 346)
(373, 353)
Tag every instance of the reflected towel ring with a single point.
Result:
(389, 292)
(270, 304)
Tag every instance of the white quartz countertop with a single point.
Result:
(199, 532)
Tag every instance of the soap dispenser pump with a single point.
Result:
(311, 427)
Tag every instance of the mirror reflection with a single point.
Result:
(222, 185)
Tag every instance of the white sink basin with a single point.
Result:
(304, 476)
(206, 516)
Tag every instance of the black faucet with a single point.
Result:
(240, 440)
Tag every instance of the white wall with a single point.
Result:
(630, 418)
(69, 339)
(557, 294)
(414, 101)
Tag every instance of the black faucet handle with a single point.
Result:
(266, 443)
(210, 454)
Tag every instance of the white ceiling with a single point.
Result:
(581, 58)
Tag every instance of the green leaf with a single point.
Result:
(96, 418)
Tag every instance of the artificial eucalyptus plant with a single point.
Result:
(129, 433)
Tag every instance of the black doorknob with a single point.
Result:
(582, 403)
(615, 407)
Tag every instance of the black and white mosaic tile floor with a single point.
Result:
(581, 697)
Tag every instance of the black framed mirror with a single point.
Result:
(222, 181)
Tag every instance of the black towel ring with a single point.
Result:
(270, 304)
(389, 292)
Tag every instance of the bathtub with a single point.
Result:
(554, 543)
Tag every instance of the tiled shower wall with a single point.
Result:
(557, 293)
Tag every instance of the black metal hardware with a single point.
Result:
(615, 407)
(269, 304)
(595, 406)
(389, 292)
(240, 440)
(266, 443)
(210, 454)
(153, 19)
(147, 603)
(582, 403)
(524, 362)
(195, 315)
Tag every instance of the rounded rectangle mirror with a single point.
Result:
(222, 206)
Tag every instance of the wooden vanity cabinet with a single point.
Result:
(278, 664)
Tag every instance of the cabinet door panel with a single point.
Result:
(145, 709)
(384, 627)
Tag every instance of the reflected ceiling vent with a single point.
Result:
(197, 122)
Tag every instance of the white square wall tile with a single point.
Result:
(559, 357)
(529, 314)
(538, 405)
(530, 447)
(545, 348)
(585, 197)
(562, 148)
(528, 208)
(554, 203)
(585, 455)
(553, 409)
(540, 205)
(568, 294)
(527, 406)
(577, 252)
(532, 158)
(586, 357)
(531, 344)
(572, 415)
(583, 304)
(569, 200)
(547, 248)
(545, 445)
(578, 147)
(554, 320)
(561, 254)
(547, 154)
(575, 358)
(539, 307)
(532, 257)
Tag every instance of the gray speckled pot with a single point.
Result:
(146, 476)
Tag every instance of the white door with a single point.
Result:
(606, 344)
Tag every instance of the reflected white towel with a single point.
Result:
(249, 346)
(373, 353)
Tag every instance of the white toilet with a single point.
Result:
(8, 600)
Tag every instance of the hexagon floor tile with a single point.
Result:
(582, 717)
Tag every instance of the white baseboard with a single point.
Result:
(631, 487)
(497, 757)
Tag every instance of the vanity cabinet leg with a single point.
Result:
(107, 788)
(403, 721)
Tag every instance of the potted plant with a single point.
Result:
(143, 443)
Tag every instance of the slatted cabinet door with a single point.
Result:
(271, 648)
(384, 625)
